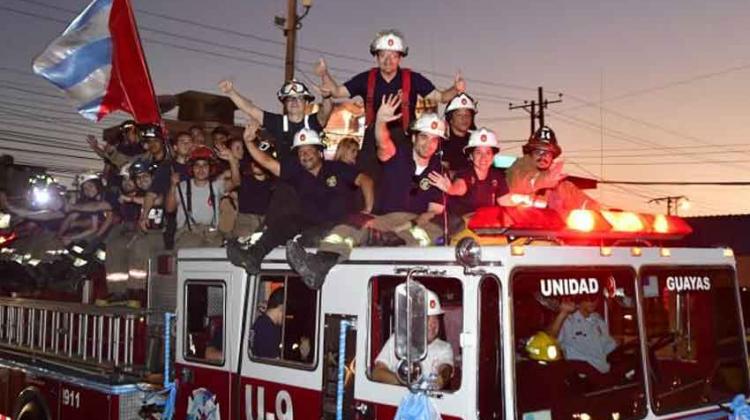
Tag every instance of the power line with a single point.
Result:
(275, 42)
(681, 183)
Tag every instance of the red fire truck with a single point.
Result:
(672, 314)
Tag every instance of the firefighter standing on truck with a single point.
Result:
(388, 78)
(460, 114)
(407, 205)
(323, 188)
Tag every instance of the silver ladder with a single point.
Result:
(101, 339)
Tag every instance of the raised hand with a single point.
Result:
(251, 130)
(459, 83)
(321, 68)
(223, 152)
(226, 86)
(388, 106)
(439, 181)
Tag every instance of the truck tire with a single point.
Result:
(30, 406)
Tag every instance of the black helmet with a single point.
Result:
(545, 139)
(149, 131)
(140, 166)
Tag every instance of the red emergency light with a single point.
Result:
(578, 224)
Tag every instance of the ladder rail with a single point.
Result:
(101, 339)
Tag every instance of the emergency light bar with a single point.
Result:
(522, 221)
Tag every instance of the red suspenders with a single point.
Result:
(370, 100)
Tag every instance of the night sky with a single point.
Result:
(663, 85)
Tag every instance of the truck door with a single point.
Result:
(280, 378)
(206, 339)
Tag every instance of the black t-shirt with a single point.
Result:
(266, 338)
(453, 152)
(479, 193)
(403, 190)
(420, 85)
(254, 195)
(162, 178)
(129, 212)
(324, 198)
(274, 125)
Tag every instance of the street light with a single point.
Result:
(674, 203)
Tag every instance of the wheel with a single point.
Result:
(30, 406)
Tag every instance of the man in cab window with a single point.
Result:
(439, 360)
(584, 336)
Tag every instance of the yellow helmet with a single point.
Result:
(542, 347)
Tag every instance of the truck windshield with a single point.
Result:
(696, 354)
(577, 348)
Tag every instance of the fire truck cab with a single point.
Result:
(643, 330)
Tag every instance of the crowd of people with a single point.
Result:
(411, 180)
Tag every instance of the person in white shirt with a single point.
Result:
(196, 202)
(439, 359)
(583, 334)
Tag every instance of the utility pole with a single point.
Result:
(536, 108)
(674, 203)
(291, 24)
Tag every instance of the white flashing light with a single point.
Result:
(101, 255)
(729, 252)
(606, 251)
(516, 250)
(665, 252)
(4, 220)
(77, 249)
(41, 196)
(34, 262)
(552, 352)
(79, 262)
(636, 251)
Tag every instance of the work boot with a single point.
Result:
(249, 259)
(377, 237)
(313, 268)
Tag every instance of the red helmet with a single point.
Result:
(202, 153)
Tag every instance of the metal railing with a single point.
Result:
(101, 339)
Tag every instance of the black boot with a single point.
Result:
(249, 259)
(313, 268)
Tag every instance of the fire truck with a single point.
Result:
(672, 314)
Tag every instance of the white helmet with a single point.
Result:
(430, 123)
(294, 88)
(433, 304)
(461, 101)
(389, 40)
(88, 176)
(307, 137)
(482, 137)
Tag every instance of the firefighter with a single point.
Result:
(127, 248)
(406, 206)
(265, 339)
(295, 97)
(438, 362)
(196, 202)
(253, 196)
(90, 227)
(582, 332)
(480, 185)
(460, 113)
(388, 78)
(538, 177)
(323, 190)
